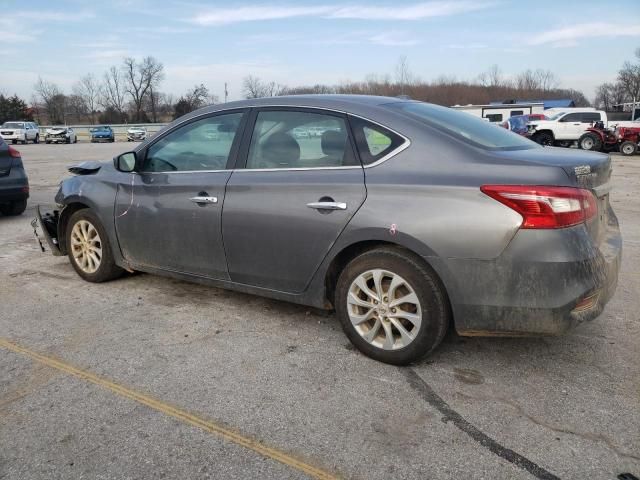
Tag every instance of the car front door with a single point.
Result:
(300, 185)
(169, 215)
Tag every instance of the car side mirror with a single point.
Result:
(125, 162)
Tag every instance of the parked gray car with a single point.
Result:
(406, 218)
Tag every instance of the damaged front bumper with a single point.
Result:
(47, 225)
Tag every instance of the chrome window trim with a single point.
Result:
(405, 144)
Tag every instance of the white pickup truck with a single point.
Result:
(565, 127)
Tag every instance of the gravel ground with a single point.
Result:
(285, 375)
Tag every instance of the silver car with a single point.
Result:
(406, 218)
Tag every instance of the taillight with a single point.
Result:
(546, 207)
(13, 152)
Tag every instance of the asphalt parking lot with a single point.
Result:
(148, 377)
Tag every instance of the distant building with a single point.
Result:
(499, 112)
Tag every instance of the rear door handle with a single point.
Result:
(204, 199)
(327, 205)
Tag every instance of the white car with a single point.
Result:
(20, 132)
(60, 135)
(564, 127)
(136, 134)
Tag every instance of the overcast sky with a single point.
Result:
(305, 42)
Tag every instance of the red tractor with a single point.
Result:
(601, 139)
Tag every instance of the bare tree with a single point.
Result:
(113, 92)
(629, 79)
(88, 89)
(492, 77)
(53, 100)
(253, 87)
(140, 76)
(604, 96)
(404, 77)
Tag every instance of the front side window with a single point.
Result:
(297, 139)
(467, 128)
(201, 145)
(572, 117)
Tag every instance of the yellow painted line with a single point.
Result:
(174, 412)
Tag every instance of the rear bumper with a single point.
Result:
(545, 283)
(45, 227)
(15, 186)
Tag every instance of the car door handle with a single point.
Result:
(204, 199)
(577, 124)
(327, 205)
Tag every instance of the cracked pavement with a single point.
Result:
(287, 376)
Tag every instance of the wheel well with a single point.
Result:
(550, 132)
(341, 260)
(66, 213)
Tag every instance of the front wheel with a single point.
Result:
(392, 307)
(628, 148)
(37, 139)
(544, 139)
(88, 248)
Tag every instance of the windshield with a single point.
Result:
(556, 116)
(12, 125)
(101, 129)
(464, 126)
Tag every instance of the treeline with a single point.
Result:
(131, 92)
(125, 93)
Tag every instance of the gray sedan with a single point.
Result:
(406, 218)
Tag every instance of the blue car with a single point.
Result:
(103, 133)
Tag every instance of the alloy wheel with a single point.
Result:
(86, 246)
(384, 309)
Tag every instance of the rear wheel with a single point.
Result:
(628, 148)
(88, 248)
(589, 141)
(544, 138)
(391, 306)
(14, 208)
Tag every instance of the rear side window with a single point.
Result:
(590, 117)
(463, 126)
(374, 142)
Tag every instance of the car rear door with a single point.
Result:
(291, 198)
(168, 215)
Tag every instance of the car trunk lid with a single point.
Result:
(589, 170)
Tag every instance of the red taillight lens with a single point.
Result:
(546, 207)
(13, 152)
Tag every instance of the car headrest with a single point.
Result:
(281, 149)
(332, 143)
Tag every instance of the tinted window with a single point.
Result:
(463, 126)
(590, 117)
(516, 112)
(13, 125)
(494, 117)
(572, 117)
(201, 145)
(295, 139)
(373, 141)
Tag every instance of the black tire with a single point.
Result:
(427, 287)
(47, 142)
(628, 148)
(14, 208)
(75, 140)
(107, 270)
(590, 141)
(13, 142)
(37, 139)
(544, 138)
(68, 140)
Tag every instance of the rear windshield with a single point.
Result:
(464, 126)
(12, 125)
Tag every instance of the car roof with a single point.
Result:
(349, 103)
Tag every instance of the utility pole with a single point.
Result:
(226, 93)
